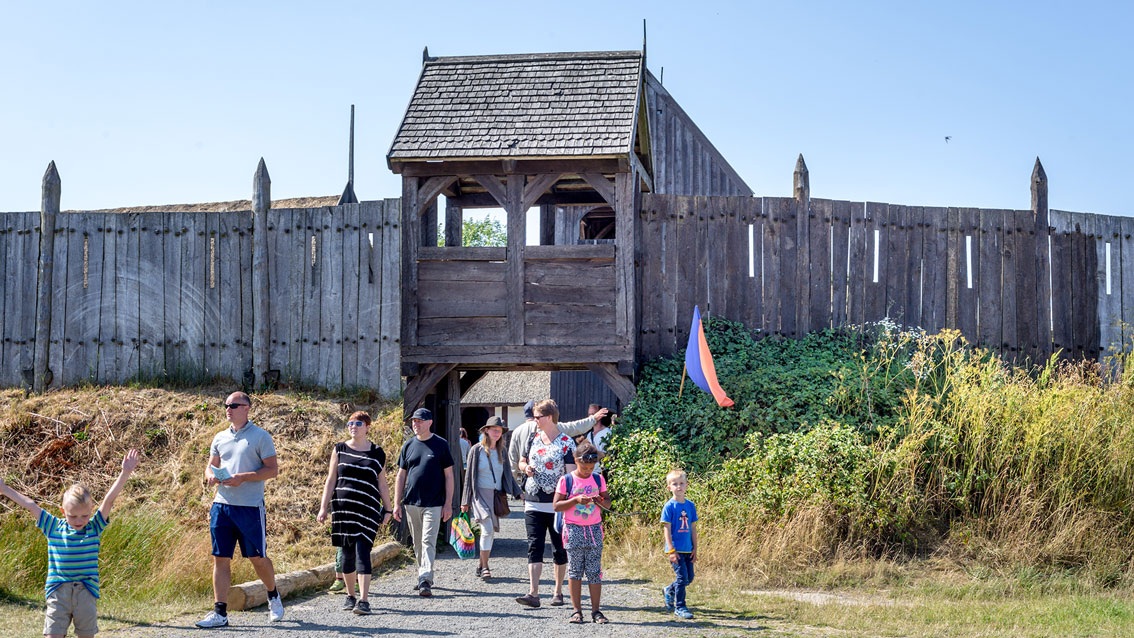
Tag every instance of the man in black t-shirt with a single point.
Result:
(423, 493)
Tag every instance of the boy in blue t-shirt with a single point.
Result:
(679, 518)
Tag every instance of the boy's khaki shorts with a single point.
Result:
(71, 601)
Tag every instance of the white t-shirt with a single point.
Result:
(599, 441)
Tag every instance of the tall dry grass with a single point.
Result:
(158, 541)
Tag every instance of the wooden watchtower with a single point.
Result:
(518, 132)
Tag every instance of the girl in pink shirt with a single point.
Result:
(578, 496)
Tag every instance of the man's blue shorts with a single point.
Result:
(231, 523)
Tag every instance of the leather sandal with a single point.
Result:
(486, 573)
(576, 618)
(597, 617)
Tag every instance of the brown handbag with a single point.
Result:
(499, 498)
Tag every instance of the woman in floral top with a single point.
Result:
(548, 455)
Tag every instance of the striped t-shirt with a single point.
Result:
(72, 556)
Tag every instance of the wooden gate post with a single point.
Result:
(49, 208)
(261, 295)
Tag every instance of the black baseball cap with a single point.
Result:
(422, 414)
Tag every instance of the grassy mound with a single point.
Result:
(155, 559)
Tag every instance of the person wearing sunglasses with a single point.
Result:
(241, 458)
(358, 498)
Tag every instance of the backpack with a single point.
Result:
(559, 515)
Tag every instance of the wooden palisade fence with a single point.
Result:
(312, 299)
(1026, 283)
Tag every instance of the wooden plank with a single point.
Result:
(669, 309)
(467, 253)
(129, 296)
(389, 371)
(1109, 330)
(514, 282)
(370, 219)
(92, 306)
(565, 273)
(938, 236)
(771, 264)
(350, 282)
(472, 271)
(247, 291)
(819, 274)
(968, 245)
(700, 248)
(73, 365)
(915, 274)
(107, 333)
(1111, 290)
(598, 314)
(1092, 266)
(1125, 271)
(59, 294)
(461, 330)
(1062, 292)
(313, 296)
(410, 244)
(331, 317)
(752, 228)
(578, 293)
(840, 216)
(858, 267)
(151, 302)
(172, 241)
(1009, 260)
(716, 240)
(588, 251)
(21, 323)
(953, 266)
(7, 306)
(279, 261)
(686, 266)
(877, 237)
(194, 282)
(790, 263)
(990, 248)
(801, 257)
(626, 206)
(554, 334)
(300, 279)
(212, 295)
(735, 257)
(897, 257)
(230, 334)
(1027, 307)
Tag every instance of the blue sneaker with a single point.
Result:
(668, 598)
(683, 613)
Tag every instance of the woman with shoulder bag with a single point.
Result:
(488, 482)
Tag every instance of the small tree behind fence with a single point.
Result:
(313, 298)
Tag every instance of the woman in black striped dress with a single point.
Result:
(359, 501)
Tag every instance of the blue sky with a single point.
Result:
(158, 103)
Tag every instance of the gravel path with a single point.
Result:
(463, 604)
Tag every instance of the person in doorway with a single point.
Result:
(599, 435)
(486, 474)
(356, 480)
(241, 458)
(466, 445)
(521, 435)
(423, 493)
(548, 455)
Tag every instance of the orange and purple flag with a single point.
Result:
(699, 362)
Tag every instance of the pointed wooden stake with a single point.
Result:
(348, 196)
(261, 295)
(1039, 189)
(49, 208)
(801, 183)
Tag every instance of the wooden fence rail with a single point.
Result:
(171, 293)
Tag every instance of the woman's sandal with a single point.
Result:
(596, 617)
(486, 573)
(576, 618)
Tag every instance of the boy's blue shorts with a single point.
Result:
(231, 523)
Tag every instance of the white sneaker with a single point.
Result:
(213, 620)
(275, 609)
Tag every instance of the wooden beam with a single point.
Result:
(546, 225)
(563, 198)
(494, 188)
(454, 223)
(625, 214)
(462, 253)
(538, 186)
(421, 385)
(636, 162)
(602, 186)
(517, 354)
(48, 210)
(621, 385)
(583, 251)
(517, 236)
(431, 189)
(261, 292)
(601, 164)
(411, 242)
(452, 432)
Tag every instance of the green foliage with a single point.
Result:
(478, 232)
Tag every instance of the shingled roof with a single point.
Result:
(522, 106)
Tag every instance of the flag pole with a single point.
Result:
(682, 387)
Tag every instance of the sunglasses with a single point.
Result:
(233, 406)
(355, 424)
(589, 458)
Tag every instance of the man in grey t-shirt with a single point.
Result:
(241, 458)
